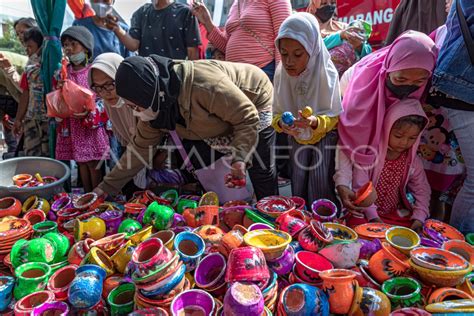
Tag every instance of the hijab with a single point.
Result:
(367, 98)
(318, 85)
(123, 121)
(151, 82)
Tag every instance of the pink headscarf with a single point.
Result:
(367, 98)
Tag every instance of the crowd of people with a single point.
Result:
(400, 116)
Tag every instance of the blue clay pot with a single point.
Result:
(305, 300)
(190, 248)
(85, 290)
(6, 290)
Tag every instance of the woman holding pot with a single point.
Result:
(214, 107)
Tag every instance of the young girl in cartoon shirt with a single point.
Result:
(82, 137)
(396, 171)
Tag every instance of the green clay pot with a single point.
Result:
(120, 299)
(31, 277)
(160, 216)
(403, 292)
(42, 228)
(184, 204)
(129, 226)
(171, 196)
(61, 243)
(35, 250)
(470, 238)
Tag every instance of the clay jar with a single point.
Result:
(193, 302)
(247, 264)
(339, 284)
(303, 300)
(101, 259)
(243, 299)
(309, 265)
(314, 237)
(133, 210)
(35, 250)
(88, 201)
(110, 244)
(369, 301)
(26, 305)
(202, 215)
(9, 207)
(190, 248)
(51, 308)
(61, 244)
(35, 202)
(231, 240)
(122, 257)
(129, 226)
(93, 227)
(6, 286)
(31, 277)
(160, 216)
(403, 292)
(86, 289)
(120, 299)
(283, 264)
(60, 281)
(324, 210)
(61, 203)
(388, 263)
(291, 222)
(112, 221)
(64, 216)
(43, 228)
(79, 250)
(212, 236)
(35, 216)
(149, 255)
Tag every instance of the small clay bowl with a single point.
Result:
(340, 232)
(402, 238)
(272, 242)
(308, 265)
(243, 299)
(210, 271)
(447, 231)
(438, 259)
(324, 210)
(447, 294)
(444, 278)
(461, 248)
(366, 195)
(193, 302)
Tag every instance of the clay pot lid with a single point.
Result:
(12, 228)
(444, 229)
(438, 259)
(372, 230)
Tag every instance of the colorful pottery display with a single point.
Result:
(314, 237)
(368, 301)
(402, 238)
(403, 292)
(324, 210)
(86, 289)
(440, 278)
(31, 277)
(447, 294)
(120, 299)
(190, 248)
(272, 242)
(388, 263)
(274, 206)
(10, 207)
(438, 259)
(339, 285)
(27, 304)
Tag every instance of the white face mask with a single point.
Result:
(102, 9)
(147, 115)
(119, 103)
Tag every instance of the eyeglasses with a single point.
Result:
(109, 86)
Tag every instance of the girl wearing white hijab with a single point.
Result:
(307, 77)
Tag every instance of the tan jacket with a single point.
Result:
(216, 98)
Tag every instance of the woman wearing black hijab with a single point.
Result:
(216, 107)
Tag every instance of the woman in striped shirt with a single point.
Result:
(250, 31)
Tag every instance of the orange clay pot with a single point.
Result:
(387, 263)
(447, 294)
(9, 206)
(340, 286)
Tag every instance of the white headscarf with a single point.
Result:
(318, 85)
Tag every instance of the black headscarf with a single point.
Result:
(151, 81)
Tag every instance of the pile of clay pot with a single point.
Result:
(188, 255)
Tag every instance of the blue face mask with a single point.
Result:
(78, 58)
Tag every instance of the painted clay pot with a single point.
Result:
(309, 265)
(149, 255)
(438, 259)
(61, 243)
(403, 292)
(303, 300)
(31, 277)
(121, 299)
(58, 205)
(402, 238)
(292, 222)
(26, 305)
(35, 202)
(232, 239)
(35, 250)
(190, 248)
(468, 285)
(426, 242)
(339, 285)
(257, 226)
(210, 271)
(129, 226)
(42, 228)
(166, 237)
(110, 244)
(111, 283)
(243, 299)
(133, 210)
(443, 278)
(193, 302)
(79, 250)
(51, 308)
(122, 257)
(212, 236)
(178, 221)
(388, 263)
(370, 281)
(247, 264)
(300, 203)
(35, 216)
(368, 248)
(99, 258)
(65, 215)
(6, 286)
(87, 201)
(20, 180)
(160, 216)
(366, 195)
(141, 235)
(10, 207)
(461, 248)
(202, 215)
(341, 233)
(272, 242)
(61, 280)
(343, 255)
(324, 210)
(171, 196)
(369, 301)
(86, 289)
(447, 294)
(283, 264)
(461, 307)
(314, 237)
(447, 231)
(174, 281)
(184, 204)
(112, 221)
(93, 227)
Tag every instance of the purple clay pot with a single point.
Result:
(193, 302)
(112, 221)
(368, 248)
(434, 235)
(178, 220)
(324, 210)
(51, 308)
(141, 215)
(210, 271)
(243, 299)
(426, 242)
(283, 264)
(60, 204)
(257, 226)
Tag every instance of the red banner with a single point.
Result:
(377, 12)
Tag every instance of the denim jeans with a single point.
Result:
(462, 214)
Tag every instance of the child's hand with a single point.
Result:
(290, 130)
(302, 122)
(347, 196)
(417, 226)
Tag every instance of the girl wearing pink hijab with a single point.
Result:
(396, 171)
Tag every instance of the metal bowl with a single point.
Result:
(32, 165)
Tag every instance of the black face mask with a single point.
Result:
(325, 13)
(401, 92)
